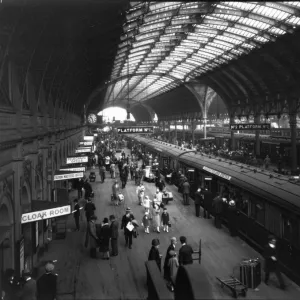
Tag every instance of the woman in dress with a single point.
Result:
(156, 217)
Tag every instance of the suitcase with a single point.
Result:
(250, 273)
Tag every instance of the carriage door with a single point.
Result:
(190, 174)
(208, 182)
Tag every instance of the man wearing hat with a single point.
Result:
(126, 220)
(114, 232)
(28, 291)
(76, 214)
(154, 253)
(47, 283)
(168, 256)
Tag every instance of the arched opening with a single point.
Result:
(6, 235)
(115, 113)
(39, 187)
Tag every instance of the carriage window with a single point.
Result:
(258, 211)
(290, 229)
(243, 203)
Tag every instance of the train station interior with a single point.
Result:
(210, 96)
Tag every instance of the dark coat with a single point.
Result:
(114, 230)
(186, 188)
(165, 218)
(77, 210)
(166, 263)
(270, 264)
(125, 221)
(154, 255)
(28, 291)
(89, 209)
(185, 255)
(46, 286)
(105, 234)
(207, 200)
(198, 198)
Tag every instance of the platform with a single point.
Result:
(124, 276)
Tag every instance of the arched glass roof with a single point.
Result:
(167, 43)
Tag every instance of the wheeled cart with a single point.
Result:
(236, 287)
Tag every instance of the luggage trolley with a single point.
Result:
(236, 287)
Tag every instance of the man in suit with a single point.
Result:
(185, 253)
(207, 203)
(114, 231)
(47, 283)
(198, 201)
(168, 256)
(89, 209)
(76, 214)
(127, 218)
(154, 253)
(186, 192)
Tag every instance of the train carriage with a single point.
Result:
(267, 202)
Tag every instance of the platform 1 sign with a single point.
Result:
(77, 160)
(45, 214)
(67, 176)
(136, 129)
(83, 150)
(250, 126)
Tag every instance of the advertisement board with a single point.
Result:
(88, 138)
(77, 160)
(68, 176)
(45, 214)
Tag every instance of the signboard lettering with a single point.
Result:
(86, 150)
(217, 173)
(68, 176)
(77, 160)
(250, 126)
(45, 214)
(88, 138)
(86, 143)
(78, 169)
(136, 129)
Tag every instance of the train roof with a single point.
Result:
(276, 188)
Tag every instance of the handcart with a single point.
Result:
(236, 287)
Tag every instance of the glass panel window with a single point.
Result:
(226, 17)
(270, 12)
(258, 210)
(277, 31)
(247, 6)
(254, 23)
(294, 20)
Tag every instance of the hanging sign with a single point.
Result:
(77, 160)
(135, 129)
(86, 143)
(250, 126)
(68, 176)
(217, 173)
(88, 138)
(85, 150)
(45, 214)
(77, 169)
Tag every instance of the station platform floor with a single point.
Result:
(124, 276)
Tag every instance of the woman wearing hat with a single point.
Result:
(104, 238)
(154, 253)
(91, 236)
(156, 217)
(115, 192)
(173, 268)
(126, 225)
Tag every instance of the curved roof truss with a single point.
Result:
(168, 43)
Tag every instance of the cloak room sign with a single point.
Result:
(135, 129)
(251, 126)
(58, 177)
(45, 214)
(86, 143)
(77, 169)
(217, 173)
(77, 160)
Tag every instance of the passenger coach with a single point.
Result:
(267, 203)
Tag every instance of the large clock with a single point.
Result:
(92, 118)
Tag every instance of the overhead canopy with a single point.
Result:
(165, 44)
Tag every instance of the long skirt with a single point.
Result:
(156, 220)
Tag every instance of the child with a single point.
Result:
(145, 221)
(173, 265)
(165, 220)
(141, 197)
(147, 203)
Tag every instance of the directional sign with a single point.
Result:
(86, 143)
(135, 129)
(77, 160)
(217, 173)
(68, 176)
(251, 126)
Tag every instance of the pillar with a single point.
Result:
(175, 133)
(257, 141)
(169, 135)
(193, 126)
(293, 128)
(164, 130)
(232, 138)
(204, 127)
(183, 131)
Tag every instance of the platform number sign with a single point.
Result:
(135, 129)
